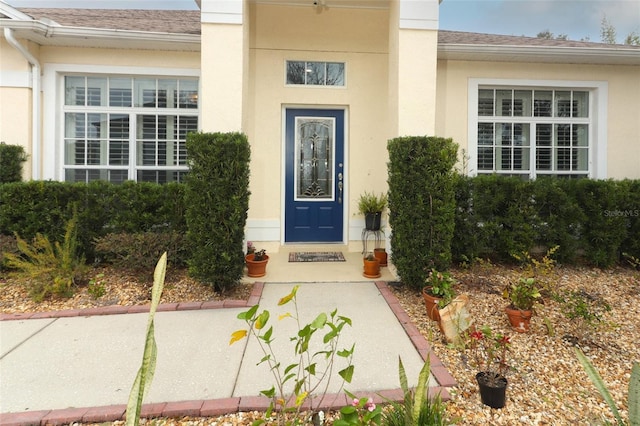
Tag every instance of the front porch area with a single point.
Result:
(280, 270)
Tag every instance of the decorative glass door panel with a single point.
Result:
(314, 175)
(314, 140)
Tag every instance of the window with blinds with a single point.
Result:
(531, 132)
(119, 129)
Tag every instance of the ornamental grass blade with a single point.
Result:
(421, 388)
(147, 369)
(634, 395)
(599, 384)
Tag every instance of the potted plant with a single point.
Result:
(372, 206)
(489, 352)
(371, 266)
(381, 254)
(257, 263)
(438, 293)
(522, 295)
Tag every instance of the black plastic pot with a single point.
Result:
(372, 221)
(493, 390)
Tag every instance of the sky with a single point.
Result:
(579, 19)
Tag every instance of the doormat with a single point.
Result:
(316, 256)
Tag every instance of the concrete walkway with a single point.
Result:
(78, 366)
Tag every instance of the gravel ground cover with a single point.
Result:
(547, 385)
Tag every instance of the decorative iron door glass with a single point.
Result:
(315, 175)
(314, 151)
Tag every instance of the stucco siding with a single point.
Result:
(622, 107)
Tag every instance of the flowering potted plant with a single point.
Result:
(522, 294)
(438, 293)
(489, 352)
(257, 263)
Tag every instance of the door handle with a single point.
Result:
(340, 188)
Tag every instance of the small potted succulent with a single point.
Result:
(522, 295)
(489, 353)
(257, 263)
(371, 266)
(438, 293)
(372, 206)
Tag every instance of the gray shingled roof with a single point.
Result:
(188, 22)
(161, 21)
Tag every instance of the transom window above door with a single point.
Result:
(308, 73)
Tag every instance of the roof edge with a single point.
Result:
(562, 54)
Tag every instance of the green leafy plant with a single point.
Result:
(259, 255)
(634, 390)
(372, 203)
(361, 412)
(96, 288)
(441, 286)
(53, 267)
(312, 370)
(587, 311)
(522, 294)
(417, 408)
(147, 369)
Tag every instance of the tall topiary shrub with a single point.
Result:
(217, 199)
(421, 205)
(11, 159)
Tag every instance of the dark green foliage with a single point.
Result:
(421, 205)
(44, 207)
(499, 217)
(8, 244)
(605, 227)
(560, 217)
(139, 251)
(11, 159)
(217, 199)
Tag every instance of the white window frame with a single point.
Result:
(598, 100)
(321, 86)
(53, 87)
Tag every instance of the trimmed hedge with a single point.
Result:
(11, 159)
(591, 220)
(45, 206)
(421, 205)
(217, 199)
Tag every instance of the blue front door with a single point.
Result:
(314, 175)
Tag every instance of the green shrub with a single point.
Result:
(421, 205)
(54, 268)
(11, 159)
(217, 199)
(560, 216)
(604, 229)
(44, 207)
(8, 244)
(138, 251)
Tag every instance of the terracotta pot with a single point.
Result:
(519, 319)
(381, 255)
(256, 268)
(371, 268)
(493, 392)
(431, 303)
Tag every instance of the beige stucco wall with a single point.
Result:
(15, 101)
(623, 107)
(356, 37)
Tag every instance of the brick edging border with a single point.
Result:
(218, 407)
